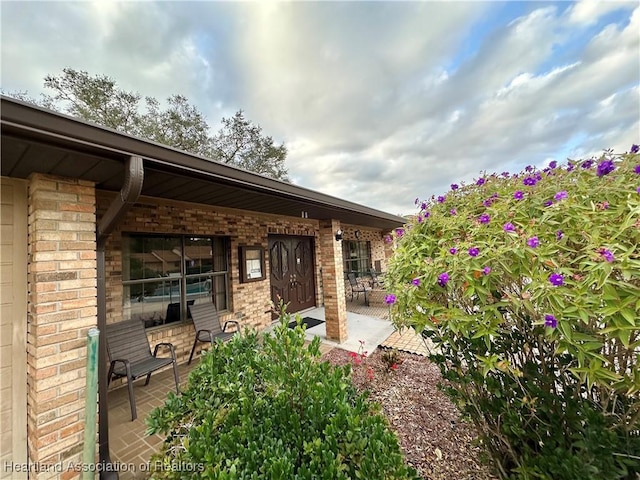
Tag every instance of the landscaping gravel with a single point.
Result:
(434, 439)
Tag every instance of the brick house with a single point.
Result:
(100, 227)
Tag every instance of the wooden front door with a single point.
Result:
(292, 271)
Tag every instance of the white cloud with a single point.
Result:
(587, 12)
(377, 102)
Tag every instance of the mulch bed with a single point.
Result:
(434, 439)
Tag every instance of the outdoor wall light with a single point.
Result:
(339, 235)
(357, 234)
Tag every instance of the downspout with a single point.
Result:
(134, 176)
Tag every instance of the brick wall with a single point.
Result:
(62, 307)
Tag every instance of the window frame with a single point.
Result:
(182, 278)
(358, 259)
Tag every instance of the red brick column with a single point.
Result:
(62, 307)
(335, 305)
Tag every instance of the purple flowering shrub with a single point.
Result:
(537, 329)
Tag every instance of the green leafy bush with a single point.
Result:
(529, 287)
(265, 407)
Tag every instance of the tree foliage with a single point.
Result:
(99, 99)
(241, 143)
(529, 287)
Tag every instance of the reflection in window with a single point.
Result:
(356, 256)
(163, 275)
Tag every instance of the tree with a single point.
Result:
(241, 143)
(99, 99)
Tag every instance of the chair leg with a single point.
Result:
(132, 400)
(193, 349)
(175, 376)
(148, 378)
(110, 373)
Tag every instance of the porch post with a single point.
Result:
(335, 306)
(62, 307)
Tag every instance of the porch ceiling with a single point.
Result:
(35, 140)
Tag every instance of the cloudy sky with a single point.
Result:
(377, 102)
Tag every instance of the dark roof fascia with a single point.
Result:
(28, 121)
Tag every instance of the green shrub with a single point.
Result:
(265, 407)
(529, 286)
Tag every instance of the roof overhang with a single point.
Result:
(36, 140)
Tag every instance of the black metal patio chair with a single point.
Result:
(376, 278)
(358, 288)
(207, 324)
(130, 356)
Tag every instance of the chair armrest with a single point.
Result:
(165, 344)
(121, 360)
(208, 332)
(224, 329)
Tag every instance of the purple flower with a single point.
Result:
(453, 212)
(533, 242)
(587, 164)
(480, 181)
(443, 278)
(605, 167)
(519, 195)
(561, 195)
(420, 218)
(509, 227)
(570, 167)
(427, 214)
(607, 255)
(487, 202)
(399, 232)
(473, 252)
(504, 174)
(556, 279)
(484, 218)
(486, 270)
(387, 238)
(423, 206)
(390, 299)
(416, 282)
(530, 181)
(553, 164)
(559, 235)
(453, 250)
(528, 168)
(441, 199)
(550, 321)
(637, 169)
(454, 186)
(548, 203)
(638, 189)
(635, 148)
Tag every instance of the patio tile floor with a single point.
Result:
(129, 445)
